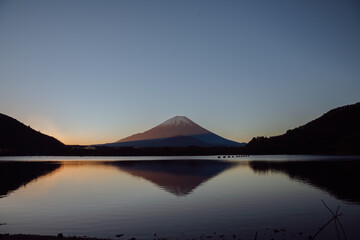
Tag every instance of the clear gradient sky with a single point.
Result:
(91, 72)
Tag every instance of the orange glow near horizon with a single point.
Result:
(90, 139)
(84, 137)
(112, 133)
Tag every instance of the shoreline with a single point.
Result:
(60, 236)
(7, 236)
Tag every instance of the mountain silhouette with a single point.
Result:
(178, 131)
(16, 138)
(336, 132)
(178, 177)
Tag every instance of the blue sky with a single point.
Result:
(97, 71)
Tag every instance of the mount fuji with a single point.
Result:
(178, 131)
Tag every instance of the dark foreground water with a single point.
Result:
(277, 196)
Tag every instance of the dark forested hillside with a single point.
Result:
(336, 132)
(18, 139)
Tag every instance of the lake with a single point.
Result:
(180, 197)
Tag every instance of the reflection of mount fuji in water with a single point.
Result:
(338, 178)
(179, 177)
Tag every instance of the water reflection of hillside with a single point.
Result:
(339, 178)
(16, 174)
(179, 177)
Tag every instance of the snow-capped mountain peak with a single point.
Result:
(175, 126)
(177, 131)
(177, 120)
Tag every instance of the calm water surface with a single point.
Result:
(179, 197)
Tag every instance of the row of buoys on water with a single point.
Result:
(232, 156)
